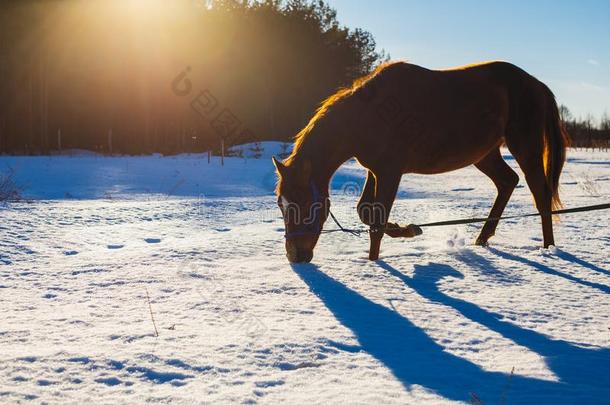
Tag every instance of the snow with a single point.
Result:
(435, 320)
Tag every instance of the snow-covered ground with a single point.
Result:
(436, 319)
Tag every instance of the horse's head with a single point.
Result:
(304, 208)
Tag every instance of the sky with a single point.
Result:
(564, 43)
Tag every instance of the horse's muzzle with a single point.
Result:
(300, 256)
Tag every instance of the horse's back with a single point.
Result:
(456, 115)
(417, 87)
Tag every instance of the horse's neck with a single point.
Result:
(327, 149)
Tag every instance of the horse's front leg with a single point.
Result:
(367, 198)
(385, 193)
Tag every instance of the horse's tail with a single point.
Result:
(556, 140)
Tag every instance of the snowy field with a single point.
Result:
(435, 320)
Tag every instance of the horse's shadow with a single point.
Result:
(573, 259)
(549, 270)
(416, 359)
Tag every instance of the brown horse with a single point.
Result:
(403, 118)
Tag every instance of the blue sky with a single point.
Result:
(564, 43)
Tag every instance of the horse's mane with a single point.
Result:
(331, 101)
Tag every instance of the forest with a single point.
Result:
(139, 77)
(100, 75)
(587, 132)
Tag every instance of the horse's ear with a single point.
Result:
(281, 169)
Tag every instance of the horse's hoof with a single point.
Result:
(481, 242)
(414, 229)
(374, 253)
(396, 231)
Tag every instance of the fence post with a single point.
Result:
(59, 139)
(209, 156)
(182, 143)
(110, 141)
(222, 152)
(2, 135)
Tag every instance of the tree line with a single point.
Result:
(174, 77)
(585, 132)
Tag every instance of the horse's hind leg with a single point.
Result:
(505, 180)
(529, 157)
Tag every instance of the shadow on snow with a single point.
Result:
(415, 358)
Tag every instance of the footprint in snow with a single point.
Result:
(456, 242)
(152, 240)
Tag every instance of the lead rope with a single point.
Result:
(476, 220)
(357, 232)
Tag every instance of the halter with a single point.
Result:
(315, 227)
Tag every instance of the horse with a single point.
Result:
(403, 118)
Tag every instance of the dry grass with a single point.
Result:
(151, 314)
(9, 190)
(589, 186)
